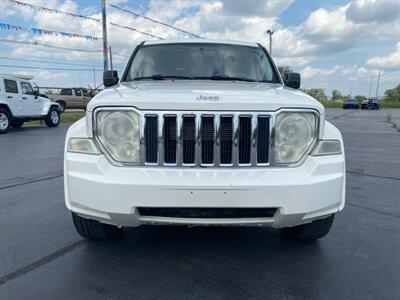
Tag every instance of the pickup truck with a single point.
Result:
(76, 98)
(203, 132)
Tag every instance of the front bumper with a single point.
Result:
(98, 190)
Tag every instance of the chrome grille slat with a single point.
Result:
(170, 138)
(204, 139)
(244, 140)
(188, 139)
(225, 139)
(207, 139)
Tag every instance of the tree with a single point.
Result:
(393, 95)
(318, 94)
(360, 98)
(337, 96)
(284, 70)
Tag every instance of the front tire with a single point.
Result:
(94, 230)
(17, 123)
(53, 117)
(311, 231)
(5, 120)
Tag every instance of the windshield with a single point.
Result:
(201, 62)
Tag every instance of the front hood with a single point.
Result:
(203, 95)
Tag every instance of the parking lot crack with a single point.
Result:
(374, 210)
(372, 175)
(31, 180)
(45, 260)
(391, 122)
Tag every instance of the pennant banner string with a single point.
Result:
(40, 31)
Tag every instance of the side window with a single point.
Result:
(78, 92)
(85, 93)
(11, 86)
(27, 88)
(66, 92)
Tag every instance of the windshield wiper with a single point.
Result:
(161, 77)
(225, 77)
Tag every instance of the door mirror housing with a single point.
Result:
(36, 93)
(110, 78)
(292, 80)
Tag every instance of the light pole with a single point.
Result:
(377, 84)
(105, 44)
(270, 33)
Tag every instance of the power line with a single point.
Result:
(41, 31)
(49, 10)
(155, 21)
(70, 14)
(50, 68)
(137, 30)
(47, 62)
(35, 43)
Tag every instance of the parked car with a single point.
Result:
(20, 102)
(203, 132)
(374, 103)
(351, 103)
(365, 104)
(76, 98)
(371, 103)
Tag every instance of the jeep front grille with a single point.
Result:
(205, 139)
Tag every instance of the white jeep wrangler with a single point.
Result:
(20, 102)
(203, 132)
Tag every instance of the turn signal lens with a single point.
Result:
(327, 147)
(83, 145)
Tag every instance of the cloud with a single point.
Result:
(310, 72)
(367, 11)
(264, 8)
(391, 61)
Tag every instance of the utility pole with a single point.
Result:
(270, 33)
(94, 78)
(111, 63)
(105, 44)
(370, 87)
(377, 84)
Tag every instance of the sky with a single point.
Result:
(334, 44)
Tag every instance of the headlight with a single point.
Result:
(294, 134)
(118, 132)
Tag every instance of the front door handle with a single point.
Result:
(10, 97)
(24, 98)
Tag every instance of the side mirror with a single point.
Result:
(292, 80)
(36, 93)
(110, 78)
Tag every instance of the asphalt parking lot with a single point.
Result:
(42, 257)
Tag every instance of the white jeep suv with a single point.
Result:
(201, 133)
(20, 102)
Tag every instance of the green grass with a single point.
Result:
(332, 104)
(66, 117)
(339, 104)
(387, 104)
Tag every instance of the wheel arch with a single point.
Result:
(5, 106)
